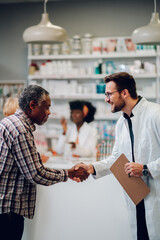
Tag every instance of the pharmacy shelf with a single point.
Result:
(134, 54)
(147, 82)
(11, 82)
(110, 117)
(75, 77)
(66, 76)
(88, 96)
(78, 96)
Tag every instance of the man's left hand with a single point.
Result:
(133, 169)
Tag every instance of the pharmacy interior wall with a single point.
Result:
(99, 17)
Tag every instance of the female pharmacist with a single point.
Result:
(80, 139)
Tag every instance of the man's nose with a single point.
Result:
(107, 99)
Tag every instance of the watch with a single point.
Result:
(145, 171)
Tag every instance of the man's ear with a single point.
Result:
(32, 105)
(125, 92)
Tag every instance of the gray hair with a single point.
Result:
(32, 92)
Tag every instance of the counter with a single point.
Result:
(91, 210)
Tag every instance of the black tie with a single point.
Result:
(131, 137)
(142, 233)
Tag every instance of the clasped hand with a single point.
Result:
(80, 172)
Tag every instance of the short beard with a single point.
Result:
(118, 108)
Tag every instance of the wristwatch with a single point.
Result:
(145, 171)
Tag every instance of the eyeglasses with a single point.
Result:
(108, 94)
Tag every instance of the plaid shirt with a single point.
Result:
(21, 167)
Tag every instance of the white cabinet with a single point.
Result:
(69, 77)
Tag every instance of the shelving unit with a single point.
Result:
(86, 77)
(81, 80)
(135, 54)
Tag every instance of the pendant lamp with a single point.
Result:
(45, 31)
(150, 34)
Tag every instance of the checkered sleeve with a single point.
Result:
(29, 163)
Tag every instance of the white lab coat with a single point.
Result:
(87, 138)
(146, 130)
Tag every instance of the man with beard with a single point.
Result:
(137, 135)
(20, 163)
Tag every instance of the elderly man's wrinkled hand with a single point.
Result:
(78, 175)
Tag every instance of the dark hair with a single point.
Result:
(74, 105)
(123, 80)
(32, 92)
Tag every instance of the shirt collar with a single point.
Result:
(133, 112)
(22, 115)
(83, 126)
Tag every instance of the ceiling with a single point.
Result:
(27, 1)
(19, 1)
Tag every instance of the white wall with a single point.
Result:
(99, 17)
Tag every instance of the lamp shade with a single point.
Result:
(45, 32)
(150, 34)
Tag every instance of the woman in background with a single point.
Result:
(81, 137)
(10, 106)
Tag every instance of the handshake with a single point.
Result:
(80, 172)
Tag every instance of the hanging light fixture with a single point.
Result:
(45, 31)
(149, 34)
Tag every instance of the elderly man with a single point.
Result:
(20, 163)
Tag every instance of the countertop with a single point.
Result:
(91, 210)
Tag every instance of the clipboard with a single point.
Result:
(135, 187)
